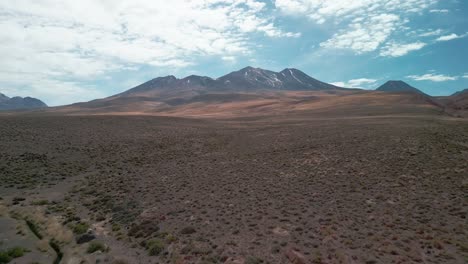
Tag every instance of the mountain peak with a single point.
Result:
(397, 82)
(168, 77)
(397, 86)
(290, 70)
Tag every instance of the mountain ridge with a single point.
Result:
(19, 103)
(244, 80)
(254, 91)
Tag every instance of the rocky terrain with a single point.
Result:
(301, 188)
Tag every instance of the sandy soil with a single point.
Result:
(291, 189)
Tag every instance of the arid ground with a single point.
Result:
(291, 189)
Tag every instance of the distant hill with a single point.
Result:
(398, 87)
(462, 92)
(17, 103)
(457, 103)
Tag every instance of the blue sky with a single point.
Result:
(68, 51)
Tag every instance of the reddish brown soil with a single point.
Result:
(301, 188)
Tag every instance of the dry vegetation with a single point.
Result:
(296, 189)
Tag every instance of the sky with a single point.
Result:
(66, 51)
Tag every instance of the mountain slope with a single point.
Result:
(17, 103)
(457, 103)
(3, 98)
(462, 92)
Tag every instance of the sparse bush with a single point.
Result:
(81, 228)
(96, 246)
(33, 227)
(143, 229)
(171, 238)
(115, 227)
(12, 253)
(187, 230)
(253, 260)
(155, 247)
(40, 202)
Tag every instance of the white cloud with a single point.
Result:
(450, 37)
(365, 36)
(229, 58)
(431, 33)
(356, 83)
(399, 49)
(58, 91)
(444, 11)
(365, 24)
(433, 77)
(323, 10)
(69, 41)
(465, 76)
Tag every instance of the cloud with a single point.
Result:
(431, 33)
(229, 58)
(323, 10)
(399, 49)
(356, 83)
(451, 37)
(363, 37)
(40, 86)
(444, 11)
(465, 76)
(433, 77)
(365, 24)
(71, 41)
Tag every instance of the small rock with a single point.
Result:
(280, 231)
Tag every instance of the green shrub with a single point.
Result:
(155, 247)
(171, 238)
(96, 246)
(81, 228)
(12, 253)
(115, 227)
(40, 202)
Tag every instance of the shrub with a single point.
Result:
(40, 202)
(253, 260)
(171, 238)
(96, 246)
(115, 227)
(187, 230)
(155, 247)
(12, 253)
(81, 228)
